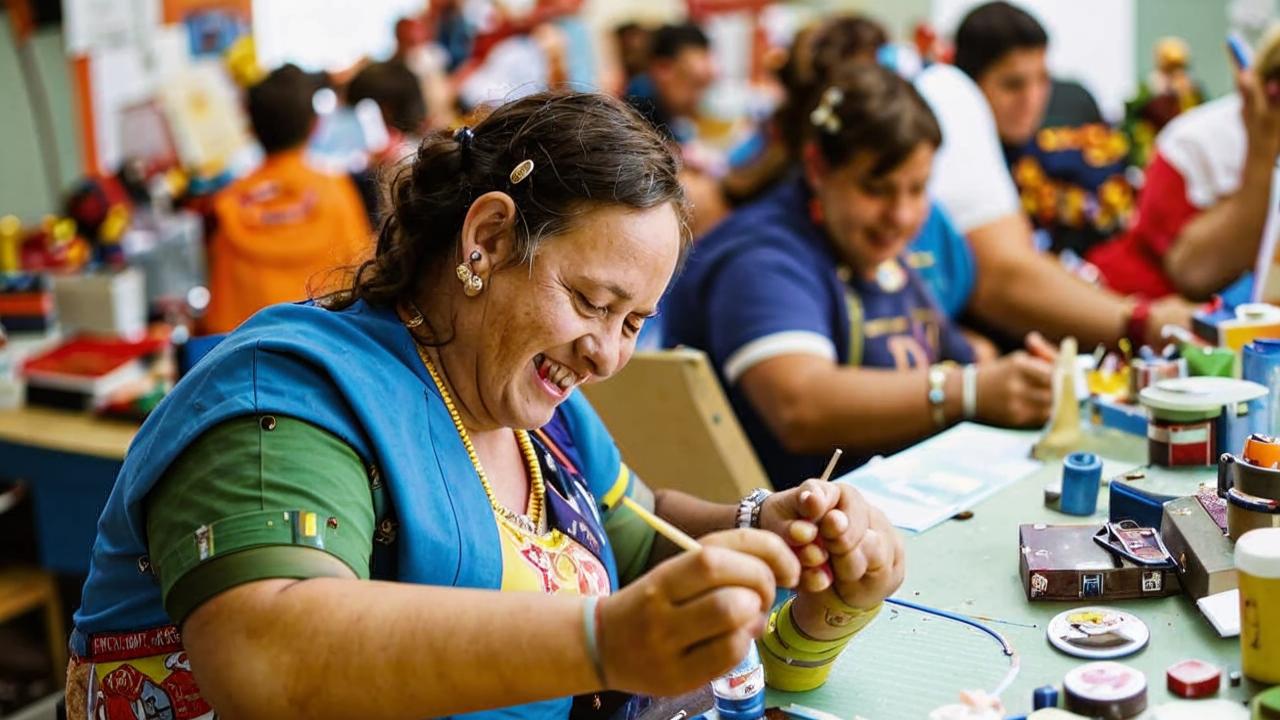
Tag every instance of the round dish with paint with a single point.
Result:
(1097, 633)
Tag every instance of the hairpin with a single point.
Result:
(824, 116)
(521, 171)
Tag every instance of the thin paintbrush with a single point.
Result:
(663, 528)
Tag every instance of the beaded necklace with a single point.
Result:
(532, 520)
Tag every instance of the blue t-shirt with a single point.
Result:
(942, 257)
(766, 283)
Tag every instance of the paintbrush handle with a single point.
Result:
(831, 465)
(662, 527)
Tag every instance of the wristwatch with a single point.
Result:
(749, 509)
(938, 394)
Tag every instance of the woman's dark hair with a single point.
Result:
(991, 31)
(865, 107)
(589, 150)
(397, 91)
(816, 52)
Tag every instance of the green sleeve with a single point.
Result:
(253, 498)
(630, 535)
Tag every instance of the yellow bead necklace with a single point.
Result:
(530, 521)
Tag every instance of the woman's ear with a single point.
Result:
(815, 166)
(488, 230)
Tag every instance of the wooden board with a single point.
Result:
(675, 427)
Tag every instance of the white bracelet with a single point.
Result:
(590, 624)
(969, 391)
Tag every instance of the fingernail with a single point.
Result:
(804, 496)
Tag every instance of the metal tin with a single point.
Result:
(1107, 690)
(1193, 420)
(1248, 512)
(1255, 480)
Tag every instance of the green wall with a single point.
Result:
(24, 184)
(1202, 23)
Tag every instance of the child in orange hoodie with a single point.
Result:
(281, 230)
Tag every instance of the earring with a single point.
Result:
(417, 318)
(472, 285)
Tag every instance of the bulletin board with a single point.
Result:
(125, 52)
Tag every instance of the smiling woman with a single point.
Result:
(392, 503)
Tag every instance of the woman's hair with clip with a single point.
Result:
(816, 52)
(558, 154)
(867, 108)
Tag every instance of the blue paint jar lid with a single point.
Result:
(1265, 346)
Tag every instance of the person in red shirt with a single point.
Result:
(1206, 205)
(279, 230)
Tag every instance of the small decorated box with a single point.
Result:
(1064, 562)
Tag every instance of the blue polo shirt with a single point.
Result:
(766, 283)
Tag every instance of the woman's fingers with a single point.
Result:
(716, 656)
(749, 558)
(720, 611)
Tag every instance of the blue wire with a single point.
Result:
(1004, 644)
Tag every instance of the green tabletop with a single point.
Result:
(906, 663)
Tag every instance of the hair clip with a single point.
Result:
(824, 116)
(464, 136)
(521, 171)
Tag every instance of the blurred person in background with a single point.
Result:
(668, 94)
(398, 94)
(632, 42)
(428, 61)
(285, 224)
(1207, 203)
(820, 331)
(1016, 287)
(1070, 177)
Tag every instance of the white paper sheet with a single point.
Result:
(950, 472)
(1223, 611)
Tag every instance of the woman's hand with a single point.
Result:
(796, 514)
(847, 547)
(1260, 111)
(1016, 390)
(868, 567)
(693, 617)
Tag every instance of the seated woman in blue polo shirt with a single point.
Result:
(820, 331)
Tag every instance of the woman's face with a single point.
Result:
(872, 218)
(572, 317)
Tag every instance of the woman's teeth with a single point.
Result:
(556, 373)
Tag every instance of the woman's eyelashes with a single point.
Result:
(589, 308)
(631, 326)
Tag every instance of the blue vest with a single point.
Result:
(355, 373)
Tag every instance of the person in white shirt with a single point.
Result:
(1017, 288)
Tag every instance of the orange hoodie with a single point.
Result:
(279, 231)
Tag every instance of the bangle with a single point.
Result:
(938, 394)
(1135, 326)
(969, 391)
(590, 626)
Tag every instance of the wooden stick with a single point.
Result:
(664, 528)
(831, 465)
